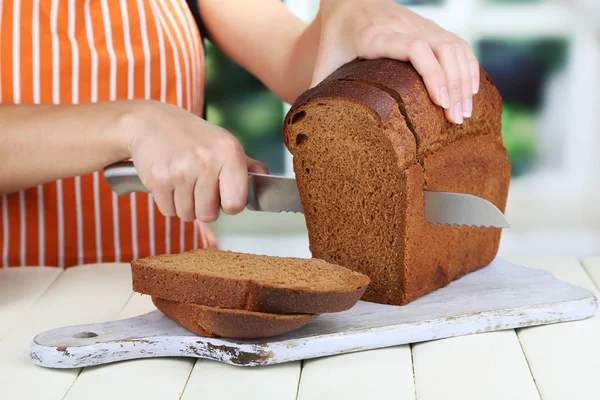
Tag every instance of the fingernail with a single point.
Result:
(467, 108)
(444, 97)
(458, 114)
(475, 86)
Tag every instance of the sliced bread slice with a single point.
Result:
(249, 282)
(234, 324)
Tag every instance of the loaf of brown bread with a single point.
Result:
(249, 282)
(233, 324)
(366, 143)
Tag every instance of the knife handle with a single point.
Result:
(123, 178)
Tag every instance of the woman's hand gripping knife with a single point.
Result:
(192, 168)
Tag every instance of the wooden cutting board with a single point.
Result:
(499, 296)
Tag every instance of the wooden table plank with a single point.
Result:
(592, 267)
(375, 374)
(483, 366)
(564, 358)
(214, 380)
(80, 295)
(19, 289)
(155, 378)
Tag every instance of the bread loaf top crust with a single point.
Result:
(368, 95)
(400, 81)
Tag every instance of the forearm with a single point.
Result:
(266, 39)
(42, 143)
(298, 71)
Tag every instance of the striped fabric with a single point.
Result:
(80, 51)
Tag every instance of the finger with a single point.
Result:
(206, 195)
(233, 177)
(424, 61)
(466, 80)
(209, 236)
(158, 180)
(406, 48)
(184, 201)
(256, 166)
(446, 54)
(211, 239)
(164, 201)
(206, 199)
(474, 66)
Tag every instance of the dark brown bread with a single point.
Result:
(233, 324)
(249, 282)
(366, 143)
(426, 120)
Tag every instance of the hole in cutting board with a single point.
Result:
(85, 335)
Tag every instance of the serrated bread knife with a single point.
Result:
(270, 193)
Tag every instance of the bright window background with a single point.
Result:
(544, 56)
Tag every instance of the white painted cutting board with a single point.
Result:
(500, 296)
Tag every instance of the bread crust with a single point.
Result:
(426, 120)
(467, 158)
(234, 324)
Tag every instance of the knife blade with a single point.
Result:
(270, 193)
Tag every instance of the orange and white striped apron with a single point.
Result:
(82, 51)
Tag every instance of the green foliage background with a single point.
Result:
(521, 70)
(240, 103)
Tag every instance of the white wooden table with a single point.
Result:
(560, 361)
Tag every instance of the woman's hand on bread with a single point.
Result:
(192, 168)
(383, 29)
